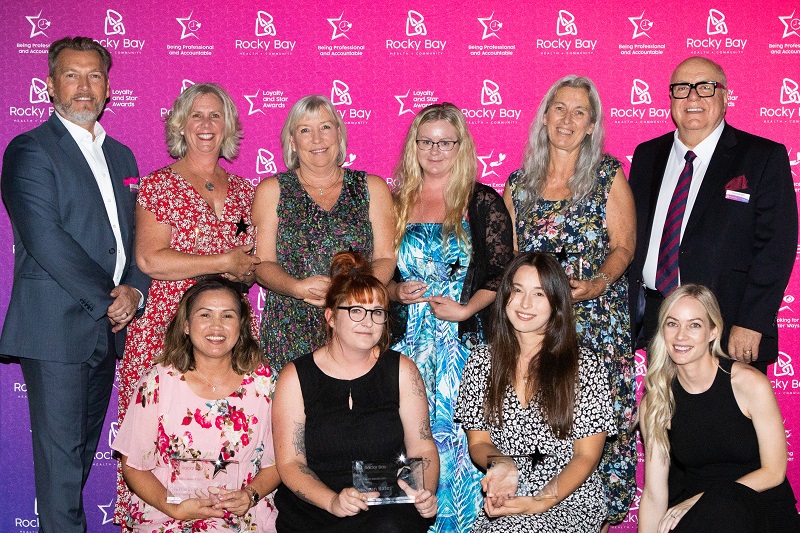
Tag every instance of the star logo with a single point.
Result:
(108, 512)
(490, 26)
(340, 27)
(640, 26)
(351, 158)
(241, 226)
(401, 99)
(489, 165)
(791, 25)
(220, 465)
(38, 24)
(251, 99)
(188, 26)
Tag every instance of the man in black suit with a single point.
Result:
(67, 188)
(738, 232)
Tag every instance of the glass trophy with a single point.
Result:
(190, 475)
(369, 476)
(519, 470)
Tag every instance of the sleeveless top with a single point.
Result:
(712, 441)
(336, 435)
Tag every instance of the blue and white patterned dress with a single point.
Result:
(440, 355)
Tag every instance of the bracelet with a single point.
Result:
(604, 277)
(254, 496)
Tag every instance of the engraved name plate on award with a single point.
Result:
(534, 474)
(190, 475)
(369, 476)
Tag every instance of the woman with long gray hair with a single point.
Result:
(571, 199)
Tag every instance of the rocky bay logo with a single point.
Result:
(715, 23)
(490, 26)
(640, 93)
(490, 93)
(113, 26)
(490, 97)
(566, 26)
(265, 162)
(489, 164)
(113, 23)
(791, 25)
(39, 25)
(189, 26)
(28, 524)
(340, 93)
(414, 100)
(783, 365)
(641, 110)
(640, 362)
(264, 25)
(789, 92)
(37, 94)
(415, 27)
(788, 299)
(341, 98)
(415, 24)
(185, 84)
(641, 26)
(340, 27)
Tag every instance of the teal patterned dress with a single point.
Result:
(440, 355)
(579, 236)
(308, 238)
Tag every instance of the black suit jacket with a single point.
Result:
(64, 248)
(744, 252)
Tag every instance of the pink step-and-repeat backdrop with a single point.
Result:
(380, 63)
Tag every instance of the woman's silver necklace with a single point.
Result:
(213, 387)
(322, 190)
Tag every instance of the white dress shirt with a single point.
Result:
(675, 165)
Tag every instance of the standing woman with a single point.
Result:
(571, 199)
(532, 390)
(453, 240)
(306, 215)
(714, 436)
(192, 219)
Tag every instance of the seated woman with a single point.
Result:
(353, 399)
(533, 392)
(208, 397)
(714, 437)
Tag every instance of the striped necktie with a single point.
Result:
(669, 249)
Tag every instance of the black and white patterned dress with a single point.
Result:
(524, 431)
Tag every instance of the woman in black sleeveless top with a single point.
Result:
(714, 436)
(353, 399)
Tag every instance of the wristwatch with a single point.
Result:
(254, 496)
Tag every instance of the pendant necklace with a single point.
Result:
(322, 190)
(213, 387)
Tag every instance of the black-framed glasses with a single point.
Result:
(704, 89)
(358, 313)
(427, 144)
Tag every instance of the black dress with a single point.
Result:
(336, 435)
(712, 445)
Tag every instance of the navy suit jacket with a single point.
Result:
(64, 248)
(743, 251)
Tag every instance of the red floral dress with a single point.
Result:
(196, 229)
(168, 420)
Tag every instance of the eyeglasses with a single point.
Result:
(444, 146)
(704, 89)
(358, 313)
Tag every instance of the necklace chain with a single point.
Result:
(322, 190)
(213, 387)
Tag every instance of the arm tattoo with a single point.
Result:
(417, 386)
(307, 471)
(425, 430)
(425, 463)
(302, 496)
(299, 439)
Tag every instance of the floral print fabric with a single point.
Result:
(167, 420)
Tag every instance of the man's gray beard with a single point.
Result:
(78, 117)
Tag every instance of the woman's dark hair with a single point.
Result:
(555, 369)
(178, 349)
(352, 280)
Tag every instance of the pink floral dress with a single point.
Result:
(196, 229)
(167, 420)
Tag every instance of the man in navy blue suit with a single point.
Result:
(736, 232)
(68, 190)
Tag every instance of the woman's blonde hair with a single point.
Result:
(408, 174)
(661, 370)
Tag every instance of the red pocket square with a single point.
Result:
(739, 183)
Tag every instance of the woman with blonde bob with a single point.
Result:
(453, 239)
(713, 433)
